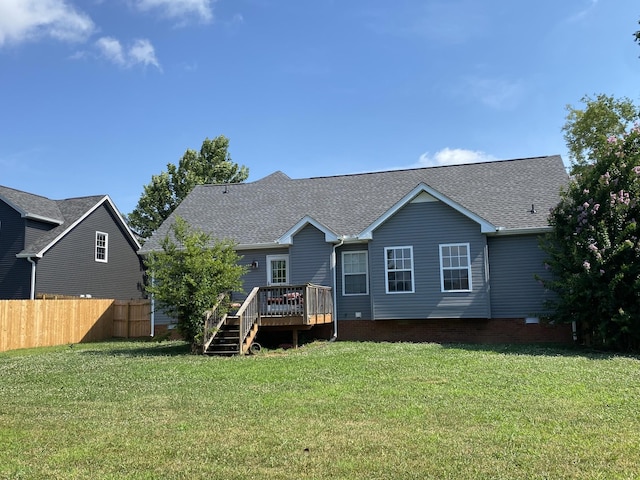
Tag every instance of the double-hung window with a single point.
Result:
(399, 269)
(355, 273)
(102, 247)
(455, 267)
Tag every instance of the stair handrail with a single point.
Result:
(214, 318)
(248, 315)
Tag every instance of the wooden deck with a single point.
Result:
(291, 307)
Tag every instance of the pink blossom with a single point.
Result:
(612, 139)
(636, 170)
(586, 265)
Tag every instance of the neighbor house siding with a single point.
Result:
(15, 273)
(424, 226)
(69, 266)
(310, 258)
(515, 261)
(347, 306)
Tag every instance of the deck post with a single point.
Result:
(295, 338)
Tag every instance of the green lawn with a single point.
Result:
(327, 410)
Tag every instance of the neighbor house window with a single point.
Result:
(455, 267)
(399, 269)
(277, 269)
(102, 247)
(355, 277)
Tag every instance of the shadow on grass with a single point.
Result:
(547, 350)
(141, 348)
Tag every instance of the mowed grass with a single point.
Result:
(324, 411)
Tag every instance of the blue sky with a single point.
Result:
(98, 95)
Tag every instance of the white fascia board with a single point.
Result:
(485, 226)
(257, 246)
(501, 231)
(40, 218)
(287, 238)
(85, 215)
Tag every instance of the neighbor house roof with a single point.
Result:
(63, 214)
(498, 195)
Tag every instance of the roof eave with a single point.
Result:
(502, 231)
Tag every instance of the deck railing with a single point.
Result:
(213, 320)
(248, 314)
(296, 300)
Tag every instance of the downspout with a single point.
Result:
(32, 295)
(153, 311)
(335, 287)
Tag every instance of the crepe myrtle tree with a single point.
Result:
(189, 273)
(594, 248)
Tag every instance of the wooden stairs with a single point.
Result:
(226, 334)
(226, 340)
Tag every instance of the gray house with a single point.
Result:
(442, 254)
(76, 246)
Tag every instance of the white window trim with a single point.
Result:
(106, 248)
(284, 257)
(442, 268)
(366, 273)
(386, 271)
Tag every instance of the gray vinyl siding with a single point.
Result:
(425, 226)
(69, 266)
(256, 277)
(310, 258)
(34, 229)
(15, 273)
(514, 262)
(350, 304)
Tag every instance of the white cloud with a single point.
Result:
(23, 20)
(141, 52)
(112, 50)
(453, 156)
(179, 9)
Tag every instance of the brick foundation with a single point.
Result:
(453, 331)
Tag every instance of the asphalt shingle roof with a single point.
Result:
(65, 212)
(260, 212)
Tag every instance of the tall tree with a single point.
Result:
(594, 247)
(212, 164)
(588, 128)
(189, 273)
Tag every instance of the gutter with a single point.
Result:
(335, 294)
(32, 295)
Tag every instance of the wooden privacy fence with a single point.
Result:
(41, 323)
(131, 318)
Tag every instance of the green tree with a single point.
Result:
(212, 164)
(189, 273)
(594, 248)
(588, 128)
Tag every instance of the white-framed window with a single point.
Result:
(398, 268)
(277, 269)
(102, 247)
(355, 273)
(455, 267)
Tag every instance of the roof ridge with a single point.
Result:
(431, 167)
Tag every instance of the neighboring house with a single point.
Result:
(76, 246)
(440, 254)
